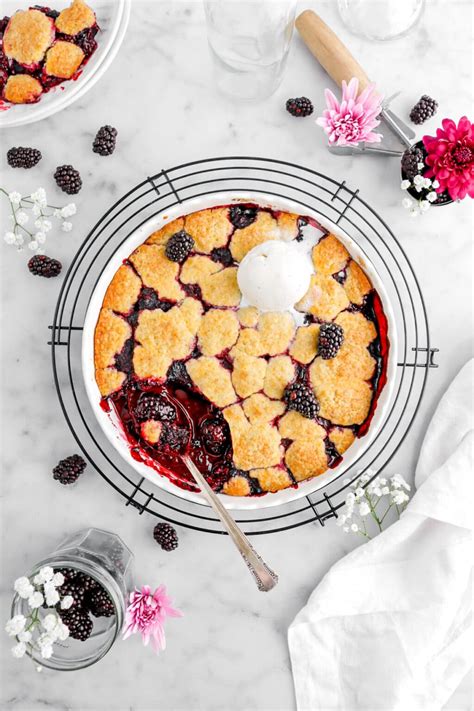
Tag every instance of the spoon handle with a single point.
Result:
(265, 578)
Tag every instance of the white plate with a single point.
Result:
(114, 431)
(112, 17)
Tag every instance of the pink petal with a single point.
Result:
(464, 126)
(331, 100)
(373, 137)
(352, 89)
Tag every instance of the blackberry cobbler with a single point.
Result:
(41, 48)
(260, 400)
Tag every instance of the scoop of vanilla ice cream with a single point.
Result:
(274, 275)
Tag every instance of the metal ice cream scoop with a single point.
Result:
(339, 63)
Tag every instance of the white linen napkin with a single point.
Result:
(389, 626)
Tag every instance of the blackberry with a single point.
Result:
(331, 337)
(179, 246)
(68, 470)
(86, 41)
(80, 625)
(301, 106)
(174, 438)
(77, 592)
(100, 603)
(410, 160)
(41, 265)
(215, 435)
(23, 157)
(178, 375)
(104, 142)
(85, 582)
(219, 474)
(424, 109)
(242, 216)
(223, 256)
(301, 398)
(68, 179)
(166, 536)
(69, 574)
(70, 617)
(154, 407)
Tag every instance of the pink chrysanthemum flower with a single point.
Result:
(146, 614)
(451, 158)
(353, 120)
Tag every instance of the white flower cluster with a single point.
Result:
(41, 590)
(419, 184)
(30, 221)
(365, 493)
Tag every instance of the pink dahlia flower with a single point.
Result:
(353, 120)
(146, 614)
(450, 158)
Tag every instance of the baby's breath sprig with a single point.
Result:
(30, 219)
(426, 190)
(35, 631)
(374, 497)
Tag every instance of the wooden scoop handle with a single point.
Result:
(328, 49)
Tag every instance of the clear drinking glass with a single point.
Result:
(380, 19)
(249, 42)
(106, 558)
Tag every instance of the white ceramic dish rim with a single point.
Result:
(61, 98)
(112, 427)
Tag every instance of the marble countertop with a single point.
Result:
(230, 650)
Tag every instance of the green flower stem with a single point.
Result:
(372, 510)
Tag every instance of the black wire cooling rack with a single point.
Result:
(310, 189)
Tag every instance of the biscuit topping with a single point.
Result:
(258, 396)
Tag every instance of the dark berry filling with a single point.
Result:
(154, 407)
(124, 359)
(86, 40)
(193, 414)
(215, 435)
(223, 256)
(242, 216)
(177, 375)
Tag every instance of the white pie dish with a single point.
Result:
(113, 429)
(112, 17)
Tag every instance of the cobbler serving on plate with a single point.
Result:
(41, 48)
(190, 356)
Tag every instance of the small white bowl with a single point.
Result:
(112, 427)
(112, 17)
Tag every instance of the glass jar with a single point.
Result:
(380, 19)
(103, 556)
(249, 42)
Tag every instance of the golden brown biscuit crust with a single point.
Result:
(123, 290)
(78, 16)
(157, 271)
(22, 89)
(63, 59)
(27, 36)
(212, 380)
(209, 228)
(110, 335)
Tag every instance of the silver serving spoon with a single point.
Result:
(265, 578)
